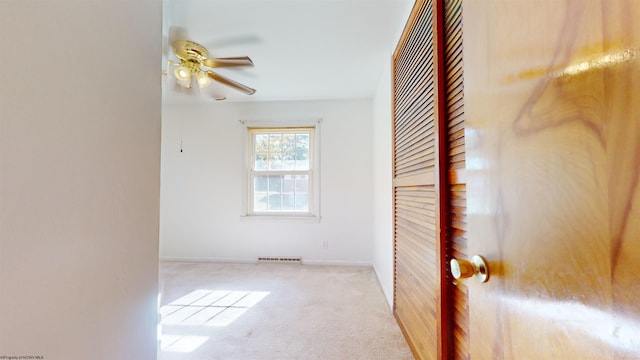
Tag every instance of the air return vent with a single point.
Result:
(279, 260)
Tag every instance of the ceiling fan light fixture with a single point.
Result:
(203, 79)
(182, 73)
(184, 83)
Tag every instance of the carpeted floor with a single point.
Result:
(265, 312)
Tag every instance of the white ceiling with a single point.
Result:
(302, 49)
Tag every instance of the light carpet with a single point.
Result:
(273, 311)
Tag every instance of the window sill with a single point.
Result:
(277, 218)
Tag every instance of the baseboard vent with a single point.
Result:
(279, 260)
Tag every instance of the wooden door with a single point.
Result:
(453, 202)
(552, 102)
(417, 266)
(429, 187)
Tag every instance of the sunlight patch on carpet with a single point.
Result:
(217, 308)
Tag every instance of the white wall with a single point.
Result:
(382, 185)
(202, 186)
(383, 172)
(80, 110)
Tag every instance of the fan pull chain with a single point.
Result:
(181, 121)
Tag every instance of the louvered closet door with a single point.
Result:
(429, 187)
(456, 220)
(417, 274)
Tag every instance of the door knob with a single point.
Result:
(461, 269)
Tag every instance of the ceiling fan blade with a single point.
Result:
(236, 85)
(227, 62)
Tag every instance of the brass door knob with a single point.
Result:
(461, 269)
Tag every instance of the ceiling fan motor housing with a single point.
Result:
(190, 51)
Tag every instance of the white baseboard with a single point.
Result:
(254, 261)
(336, 263)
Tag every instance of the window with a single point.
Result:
(282, 173)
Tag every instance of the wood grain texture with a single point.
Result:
(416, 262)
(553, 161)
(415, 267)
(453, 133)
(621, 30)
(444, 299)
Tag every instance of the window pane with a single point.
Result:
(275, 183)
(281, 193)
(275, 202)
(275, 163)
(273, 157)
(261, 162)
(289, 164)
(302, 164)
(302, 142)
(261, 151)
(261, 183)
(302, 151)
(302, 193)
(260, 193)
(289, 185)
(302, 203)
(288, 202)
(288, 143)
(262, 143)
(302, 184)
(281, 151)
(275, 143)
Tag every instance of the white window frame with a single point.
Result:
(251, 127)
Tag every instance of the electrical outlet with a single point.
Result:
(325, 244)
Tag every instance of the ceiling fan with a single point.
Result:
(193, 67)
